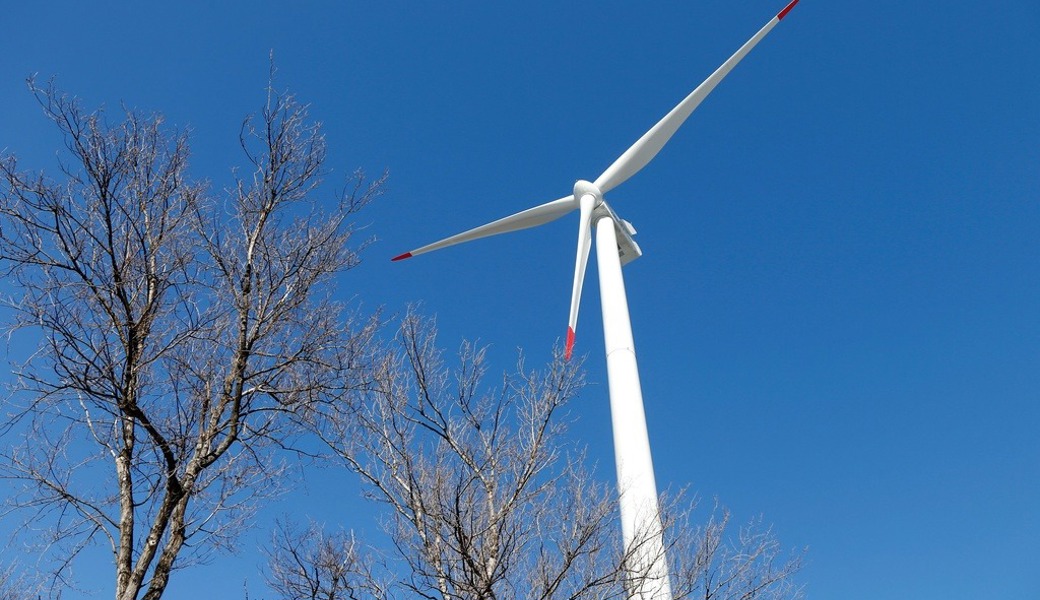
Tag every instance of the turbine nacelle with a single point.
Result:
(628, 249)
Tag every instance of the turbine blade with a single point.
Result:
(543, 213)
(584, 244)
(647, 147)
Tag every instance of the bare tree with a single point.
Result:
(711, 562)
(310, 564)
(179, 332)
(488, 498)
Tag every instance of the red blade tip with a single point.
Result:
(401, 257)
(786, 10)
(569, 349)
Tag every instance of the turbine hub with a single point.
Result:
(584, 188)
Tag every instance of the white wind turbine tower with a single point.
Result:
(640, 517)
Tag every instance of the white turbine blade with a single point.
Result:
(584, 244)
(543, 213)
(647, 147)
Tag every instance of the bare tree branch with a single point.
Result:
(15, 584)
(308, 564)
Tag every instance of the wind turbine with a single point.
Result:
(640, 517)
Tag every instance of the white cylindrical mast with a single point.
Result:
(640, 513)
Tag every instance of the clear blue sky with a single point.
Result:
(837, 309)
